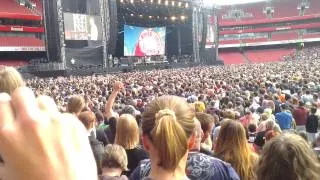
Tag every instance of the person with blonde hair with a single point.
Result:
(167, 126)
(199, 165)
(114, 162)
(288, 156)
(10, 79)
(128, 136)
(233, 148)
(76, 105)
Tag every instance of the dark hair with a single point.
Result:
(301, 103)
(205, 120)
(313, 110)
(252, 128)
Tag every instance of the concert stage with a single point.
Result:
(55, 70)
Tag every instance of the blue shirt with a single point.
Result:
(199, 166)
(284, 120)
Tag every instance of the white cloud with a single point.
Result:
(228, 2)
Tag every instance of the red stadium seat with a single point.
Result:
(11, 6)
(309, 36)
(16, 41)
(273, 55)
(14, 63)
(38, 4)
(314, 7)
(232, 58)
(284, 36)
(285, 8)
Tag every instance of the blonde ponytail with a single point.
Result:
(169, 122)
(170, 137)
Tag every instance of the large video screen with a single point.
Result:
(82, 27)
(140, 41)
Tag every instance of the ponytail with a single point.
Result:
(169, 138)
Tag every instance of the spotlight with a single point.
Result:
(159, 1)
(165, 18)
(183, 18)
(172, 3)
(142, 0)
(179, 4)
(150, 17)
(131, 15)
(173, 18)
(187, 5)
(151, 1)
(141, 15)
(166, 3)
(121, 1)
(131, 1)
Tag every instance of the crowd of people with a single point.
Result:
(243, 122)
(305, 54)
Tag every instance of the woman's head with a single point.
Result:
(288, 156)
(88, 119)
(127, 132)
(76, 104)
(168, 123)
(10, 79)
(232, 147)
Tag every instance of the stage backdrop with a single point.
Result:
(140, 41)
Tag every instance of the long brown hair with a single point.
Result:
(168, 122)
(288, 156)
(233, 148)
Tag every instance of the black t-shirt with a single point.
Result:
(134, 157)
(312, 124)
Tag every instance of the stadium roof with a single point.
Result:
(230, 2)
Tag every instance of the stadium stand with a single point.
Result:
(284, 36)
(13, 63)
(18, 41)
(312, 35)
(11, 9)
(273, 55)
(232, 58)
(313, 8)
(38, 6)
(285, 8)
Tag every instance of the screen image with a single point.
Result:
(82, 27)
(140, 41)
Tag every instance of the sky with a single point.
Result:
(228, 2)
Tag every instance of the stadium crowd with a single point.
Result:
(257, 121)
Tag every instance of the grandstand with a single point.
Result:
(21, 31)
(268, 23)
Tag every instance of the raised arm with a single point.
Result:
(117, 87)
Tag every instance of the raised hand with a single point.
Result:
(38, 142)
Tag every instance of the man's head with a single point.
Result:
(114, 157)
(207, 123)
(76, 104)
